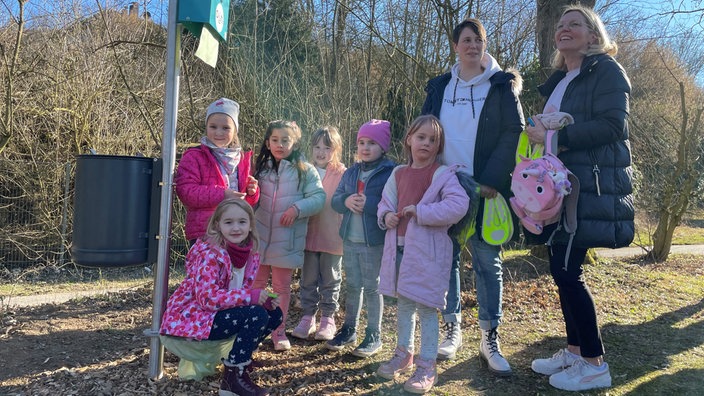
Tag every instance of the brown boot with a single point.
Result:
(236, 382)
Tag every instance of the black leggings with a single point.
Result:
(576, 300)
(251, 323)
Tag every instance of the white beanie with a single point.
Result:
(225, 106)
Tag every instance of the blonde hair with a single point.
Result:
(415, 126)
(603, 45)
(330, 136)
(213, 234)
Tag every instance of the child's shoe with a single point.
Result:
(305, 328)
(281, 342)
(370, 345)
(327, 329)
(401, 363)
(582, 376)
(235, 381)
(347, 335)
(423, 378)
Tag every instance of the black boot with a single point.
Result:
(236, 382)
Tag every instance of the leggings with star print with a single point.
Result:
(251, 324)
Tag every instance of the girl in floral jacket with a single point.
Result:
(216, 299)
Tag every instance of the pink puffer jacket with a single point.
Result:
(201, 186)
(204, 291)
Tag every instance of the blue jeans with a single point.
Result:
(487, 266)
(453, 309)
(321, 276)
(362, 264)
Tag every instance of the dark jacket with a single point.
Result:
(372, 189)
(598, 100)
(501, 122)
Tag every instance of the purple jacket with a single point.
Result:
(424, 273)
(201, 186)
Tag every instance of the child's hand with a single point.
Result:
(272, 301)
(263, 297)
(233, 194)
(289, 216)
(391, 220)
(487, 192)
(355, 203)
(409, 210)
(252, 185)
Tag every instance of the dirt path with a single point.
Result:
(634, 251)
(52, 298)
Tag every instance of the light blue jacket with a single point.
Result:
(424, 273)
(281, 246)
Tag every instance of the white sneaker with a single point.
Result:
(452, 342)
(490, 353)
(558, 362)
(582, 376)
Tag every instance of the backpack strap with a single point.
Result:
(551, 142)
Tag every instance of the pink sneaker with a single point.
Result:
(401, 363)
(281, 342)
(305, 328)
(424, 377)
(327, 329)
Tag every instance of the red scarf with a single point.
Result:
(239, 254)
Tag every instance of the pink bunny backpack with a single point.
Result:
(541, 185)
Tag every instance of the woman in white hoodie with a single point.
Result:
(477, 104)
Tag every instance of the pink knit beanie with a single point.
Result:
(378, 131)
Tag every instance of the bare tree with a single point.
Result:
(10, 65)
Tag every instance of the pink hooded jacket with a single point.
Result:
(324, 228)
(204, 291)
(201, 186)
(424, 273)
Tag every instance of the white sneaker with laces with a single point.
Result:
(558, 362)
(582, 376)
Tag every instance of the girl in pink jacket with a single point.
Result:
(216, 169)
(216, 300)
(419, 203)
(321, 275)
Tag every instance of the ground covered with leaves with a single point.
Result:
(652, 318)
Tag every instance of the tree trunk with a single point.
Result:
(680, 187)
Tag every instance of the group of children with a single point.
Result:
(388, 222)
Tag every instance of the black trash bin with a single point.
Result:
(116, 201)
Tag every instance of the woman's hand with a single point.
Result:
(536, 131)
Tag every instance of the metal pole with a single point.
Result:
(64, 214)
(168, 155)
